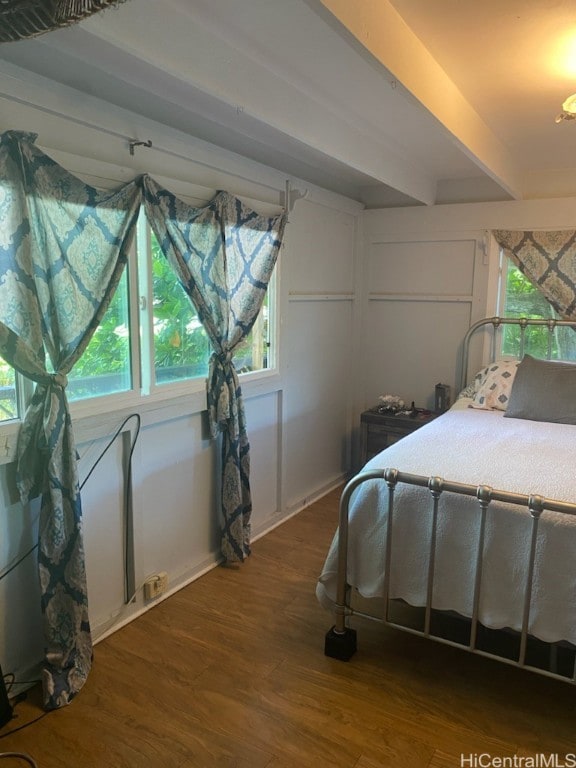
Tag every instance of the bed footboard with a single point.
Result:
(341, 639)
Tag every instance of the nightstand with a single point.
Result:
(379, 430)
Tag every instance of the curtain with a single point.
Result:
(548, 259)
(223, 255)
(63, 248)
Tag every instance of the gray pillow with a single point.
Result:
(543, 390)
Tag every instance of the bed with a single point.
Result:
(465, 530)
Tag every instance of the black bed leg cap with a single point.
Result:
(340, 645)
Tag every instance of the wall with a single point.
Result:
(299, 417)
(428, 273)
(319, 362)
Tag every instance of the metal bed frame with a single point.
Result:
(551, 324)
(341, 639)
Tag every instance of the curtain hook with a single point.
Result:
(291, 196)
(135, 143)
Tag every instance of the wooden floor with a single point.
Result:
(230, 671)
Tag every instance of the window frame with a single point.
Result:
(504, 263)
(145, 396)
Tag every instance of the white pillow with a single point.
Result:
(493, 385)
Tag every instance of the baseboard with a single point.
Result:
(324, 490)
(127, 614)
(297, 507)
(105, 629)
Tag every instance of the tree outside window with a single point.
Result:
(523, 299)
(181, 350)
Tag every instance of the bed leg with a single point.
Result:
(340, 645)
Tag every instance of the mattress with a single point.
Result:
(480, 448)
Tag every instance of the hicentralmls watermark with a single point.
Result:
(540, 760)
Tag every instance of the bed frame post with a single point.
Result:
(340, 641)
(340, 645)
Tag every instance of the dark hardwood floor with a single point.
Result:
(230, 671)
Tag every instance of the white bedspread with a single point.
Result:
(477, 447)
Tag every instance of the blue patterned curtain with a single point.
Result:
(63, 248)
(548, 259)
(223, 255)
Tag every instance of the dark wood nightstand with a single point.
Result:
(379, 430)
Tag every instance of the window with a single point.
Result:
(105, 367)
(253, 354)
(137, 350)
(8, 402)
(181, 346)
(520, 298)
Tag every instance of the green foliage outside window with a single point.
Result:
(105, 365)
(181, 346)
(523, 299)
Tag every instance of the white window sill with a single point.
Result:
(98, 417)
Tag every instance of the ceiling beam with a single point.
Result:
(380, 30)
(286, 107)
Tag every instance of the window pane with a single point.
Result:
(253, 353)
(181, 347)
(104, 368)
(523, 299)
(8, 402)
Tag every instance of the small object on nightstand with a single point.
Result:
(390, 404)
(441, 398)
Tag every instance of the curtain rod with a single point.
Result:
(290, 196)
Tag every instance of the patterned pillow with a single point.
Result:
(493, 385)
(468, 392)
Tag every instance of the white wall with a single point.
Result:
(318, 348)
(422, 294)
(299, 419)
(429, 273)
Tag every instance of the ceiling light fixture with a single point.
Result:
(568, 109)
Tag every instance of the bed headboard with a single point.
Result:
(493, 324)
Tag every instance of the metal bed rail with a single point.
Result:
(551, 324)
(341, 639)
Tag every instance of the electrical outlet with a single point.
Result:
(155, 585)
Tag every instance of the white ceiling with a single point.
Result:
(390, 102)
